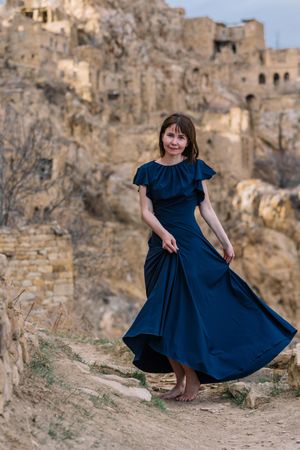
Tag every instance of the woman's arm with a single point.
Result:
(147, 215)
(210, 217)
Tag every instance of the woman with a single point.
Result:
(201, 320)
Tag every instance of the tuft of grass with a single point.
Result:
(58, 432)
(276, 390)
(42, 362)
(100, 368)
(101, 400)
(139, 376)
(238, 399)
(83, 339)
(77, 357)
(264, 379)
(159, 403)
(84, 412)
(102, 341)
(297, 392)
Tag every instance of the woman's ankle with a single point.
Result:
(180, 380)
(191, 376)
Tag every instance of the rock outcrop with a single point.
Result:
(294, 368)
(16, 339)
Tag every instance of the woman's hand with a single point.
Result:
(228, 253)
(169, 243)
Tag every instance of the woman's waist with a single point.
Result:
(180, 230)
(177, 220)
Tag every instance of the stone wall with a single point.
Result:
(40, 263)
(14, 339)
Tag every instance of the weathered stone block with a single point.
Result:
(65, 289)
(294, 368)
(3, 265)
(26, 283)
(3, 382)
(255, 398)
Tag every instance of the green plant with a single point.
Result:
(297, 392)
(83, 339)
(159, 403)
(101, 341)
(58, 432)
(238, 398)
(84, 412)
(42, 364)
(264, 379)
(139, 376)
(100, 400)
(276, 389)
(77, 357)
(100, 368)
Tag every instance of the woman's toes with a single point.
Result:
(182, 398)
(188, 396)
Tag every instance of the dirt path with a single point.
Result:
(62, 405)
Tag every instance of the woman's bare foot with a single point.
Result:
(192, 386)
(190, 393)
(178, 389)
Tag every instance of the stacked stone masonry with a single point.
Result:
(40, 263)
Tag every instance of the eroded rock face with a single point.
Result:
(15, 339)
(269, 237)
(294, 368)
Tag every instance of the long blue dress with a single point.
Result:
(198, 311)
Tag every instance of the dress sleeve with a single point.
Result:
(203, 172)
(141, 177)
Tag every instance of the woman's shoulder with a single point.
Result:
(145, 165)
(143, 174)
(203, 170)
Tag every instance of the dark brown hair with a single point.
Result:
(185, 126)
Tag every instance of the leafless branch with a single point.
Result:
(23, 151)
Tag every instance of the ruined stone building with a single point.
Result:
(249, 66)
(235, 56)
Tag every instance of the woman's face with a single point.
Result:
(174, 141)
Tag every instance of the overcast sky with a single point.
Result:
(281, 18)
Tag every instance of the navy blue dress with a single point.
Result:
(198, 311)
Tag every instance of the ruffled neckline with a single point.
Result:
(170, 165)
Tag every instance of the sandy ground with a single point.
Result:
(60, 405)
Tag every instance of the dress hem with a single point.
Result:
(204, 377)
